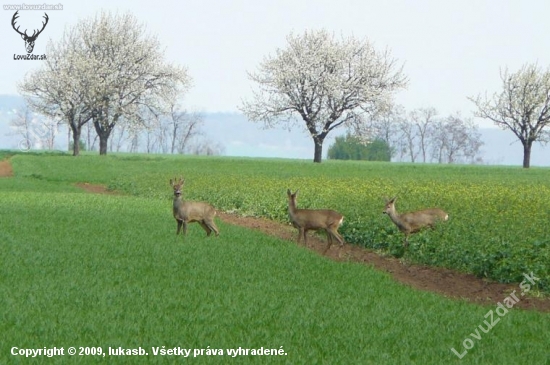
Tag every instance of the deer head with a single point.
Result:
(390, 205)
(177, 185)
(29, 40)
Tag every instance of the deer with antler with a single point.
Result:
(188, 211)
(29, 40)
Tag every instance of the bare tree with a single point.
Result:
(118, 137)
(162, 135)
(449, 140)
(188, 127)
(207, 148)
(409, 136)
(383, 125)
(423, 119)
(22, 126)
(523, 106)
(34, 130)
(148, 123)
(91, 137)
(133, 136)
(438, 141)
(326, 82)
(47, 131)
(455, 139)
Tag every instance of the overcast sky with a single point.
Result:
(450, 49)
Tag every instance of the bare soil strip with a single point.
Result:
(446, 282)
(5, 169)
(96, 189)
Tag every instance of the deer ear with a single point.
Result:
(288, 192)
(393, 199)
(171, 182)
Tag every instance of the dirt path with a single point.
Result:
(442, 281)
(438, 280)
(5, 169)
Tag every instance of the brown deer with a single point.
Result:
(308, 219)
(413, 222)
(188, 212)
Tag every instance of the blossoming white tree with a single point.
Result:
(107, 69)
(58, 89)
(325, 81)
(523, 106)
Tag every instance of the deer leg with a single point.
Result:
(204, 226)
(304, 233)
(299, 235)
(179, 226)
(406, 241)
(184, 225)
(212, 226)
(338, 237)
(329, 241)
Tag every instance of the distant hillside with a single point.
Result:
(243, 138)
(10, 102)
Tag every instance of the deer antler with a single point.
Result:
(43, 26)
(29, 40)
(15, 16)
(34, 34)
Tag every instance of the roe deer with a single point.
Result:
(188, 212)
(413, 222)
(308, 219)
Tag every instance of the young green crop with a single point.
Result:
(498, 215)
(86, 270)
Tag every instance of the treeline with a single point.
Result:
(177, 133)
(422, 135)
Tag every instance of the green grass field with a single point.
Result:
(87, 270)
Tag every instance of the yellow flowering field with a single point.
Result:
(499, 216)
(498, 226)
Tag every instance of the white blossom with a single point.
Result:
(324, 81)
(105, 69)
(523, 106)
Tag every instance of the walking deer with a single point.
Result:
(188, 212)
(413, 222)
(309, 219)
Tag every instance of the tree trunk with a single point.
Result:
(103, 132)
(318, 156)
(103, 144)
(527, 154)
(173, 145)
(76, 140)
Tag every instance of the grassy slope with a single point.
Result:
(85, 270)
(499, 215)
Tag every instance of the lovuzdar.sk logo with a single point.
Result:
(29, 39)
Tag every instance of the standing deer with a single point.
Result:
(413, 222)
(188, 212)
(308, 219)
